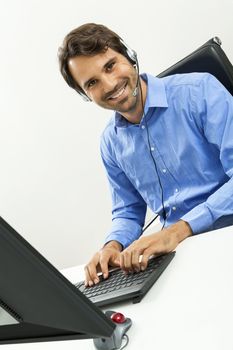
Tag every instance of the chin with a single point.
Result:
(128, 107)
(128, 104)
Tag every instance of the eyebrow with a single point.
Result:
(85, 85)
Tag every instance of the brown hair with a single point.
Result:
(87, 40)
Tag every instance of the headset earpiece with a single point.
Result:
(130, 52)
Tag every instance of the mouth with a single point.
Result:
(116, 95)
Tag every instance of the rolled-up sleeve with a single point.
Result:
(214, 110)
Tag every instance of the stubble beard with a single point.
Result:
(129, 103)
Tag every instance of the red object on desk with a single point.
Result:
(117, 317)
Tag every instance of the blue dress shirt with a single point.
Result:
(189, 119)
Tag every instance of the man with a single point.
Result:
(169, 145)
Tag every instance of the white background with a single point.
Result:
(52, 183)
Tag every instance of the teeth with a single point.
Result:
(119, 93)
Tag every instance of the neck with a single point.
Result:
(136, 114)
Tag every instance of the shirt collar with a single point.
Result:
(155, 97)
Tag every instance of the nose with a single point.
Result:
(108, 83)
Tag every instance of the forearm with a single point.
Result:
(180, 230)
(157, 243)
(202, 217)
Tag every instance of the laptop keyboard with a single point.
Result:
(119, 283)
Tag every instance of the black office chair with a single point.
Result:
(210, 58)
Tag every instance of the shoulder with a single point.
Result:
(191, 86)
(191, 79)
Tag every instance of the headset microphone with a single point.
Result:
(135, 92)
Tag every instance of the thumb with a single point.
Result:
(116, 261)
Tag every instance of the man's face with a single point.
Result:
(108, 78)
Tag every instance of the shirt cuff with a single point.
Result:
(199, 218)
(124, 231)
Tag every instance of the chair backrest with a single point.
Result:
(210, 58)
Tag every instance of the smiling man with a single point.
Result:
(168, 146)
(109, 80)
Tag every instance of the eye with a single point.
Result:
(110, 66)
(91, 83)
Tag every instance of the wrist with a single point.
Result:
(114, 244)
(181, 230)
(184, 230)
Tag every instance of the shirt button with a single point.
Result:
(173, 208)
(164, 171)
(152, 149)
(176, 190)
(143, 126)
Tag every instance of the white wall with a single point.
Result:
(52, 184)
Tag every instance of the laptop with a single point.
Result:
(15, 250)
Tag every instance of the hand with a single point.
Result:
(109, 255)
(157, 243)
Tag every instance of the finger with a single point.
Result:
(104, 260)
(135, 260)
(145, 257)
(126, 261)
(122, 261)
(115, 260)
(91, 271)
(88, 280)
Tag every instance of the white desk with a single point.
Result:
(189, 307)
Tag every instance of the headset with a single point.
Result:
(132, 56)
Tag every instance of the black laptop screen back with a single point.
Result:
(35, 293)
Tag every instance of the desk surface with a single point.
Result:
(189, 307)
